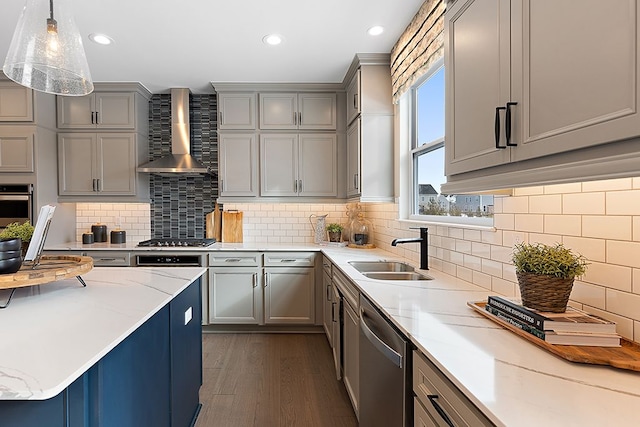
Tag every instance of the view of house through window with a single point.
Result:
(428, 159)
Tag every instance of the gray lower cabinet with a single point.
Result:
(327, 300)
(245, 290)
(438, 402)
(95, 164)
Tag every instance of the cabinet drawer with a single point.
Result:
(441, 398)
(234, 259)
(326, 265)
(110, 259)
(289, 259)
(348, 289)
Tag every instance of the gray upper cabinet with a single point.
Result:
(91, 164)
(311, 111)
(108, 110)
(16, 102)
(298, 165)
(238, 164)
(16, 149)
(370, 132)
(236, 111)
(538, 80)
(353, 98)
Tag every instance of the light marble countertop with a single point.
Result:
(51, 334)
(512, 381)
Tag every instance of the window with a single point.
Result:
(427, 159)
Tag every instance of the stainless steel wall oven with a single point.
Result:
(16, 203)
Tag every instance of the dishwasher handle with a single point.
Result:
(380, 345)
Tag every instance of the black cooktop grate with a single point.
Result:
(169, 242)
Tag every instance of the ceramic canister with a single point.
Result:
(87, 238)
(118, 236)
(99, 232)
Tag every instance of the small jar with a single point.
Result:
(87, 238)
(361, 231)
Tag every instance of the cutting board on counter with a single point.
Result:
(213, 224)
(232, 227)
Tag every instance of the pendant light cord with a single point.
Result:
(51, 8)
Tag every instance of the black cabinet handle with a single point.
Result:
(507, 123)
(498, 127)
(438, 408)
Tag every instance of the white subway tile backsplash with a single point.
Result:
(607, 227)
(608, 185)
(563, 188)
(588, 293)
(623, 253)
(529, 222)
(563, 224)
(504, 221)
(592, 249)
(623, 202)
(623, 303)
(515, 205)
(546, 204)
(584, 203)
(609, 275)
(504, 287)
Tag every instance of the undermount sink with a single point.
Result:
(396, 275)
(382, 266)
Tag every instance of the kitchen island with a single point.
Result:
(125, 348)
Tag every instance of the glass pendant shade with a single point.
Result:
(46, 52)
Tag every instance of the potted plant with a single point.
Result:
(545, 274)
(335, 231)
(22, 231)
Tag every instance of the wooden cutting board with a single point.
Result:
(213, 224)
(627, 356)
(232, 227)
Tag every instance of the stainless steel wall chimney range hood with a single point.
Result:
(180, 161)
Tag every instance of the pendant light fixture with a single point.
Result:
(46, 52)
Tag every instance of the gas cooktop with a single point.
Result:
(177, 243)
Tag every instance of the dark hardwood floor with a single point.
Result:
(271, 380)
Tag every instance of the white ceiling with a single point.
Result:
(190, 43)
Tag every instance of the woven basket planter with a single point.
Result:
(544, 293)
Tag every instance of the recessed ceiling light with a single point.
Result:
(375, 31)
(100, 39)
(272, 39)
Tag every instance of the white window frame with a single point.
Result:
(407, 136)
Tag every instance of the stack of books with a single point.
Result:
(573, 327)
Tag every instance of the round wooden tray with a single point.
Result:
(50, 269)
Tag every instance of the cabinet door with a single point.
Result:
(186, 354)
(235, 295)
(327, 305)
(421, 417)
(76, 164)
(477, 67)
(351, 354)
(318, 165)
(278, 111)
(575, 75)
(353, 159)
(237, 111)
(317, 111)
(353, 97)
(279, 165)
(115, 110)
(289, 295)
(76, 112)
(238, 165)
(16, 102)
(116, 160)
(337, 332)
(16, 149)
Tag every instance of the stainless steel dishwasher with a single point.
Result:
(385, 386)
